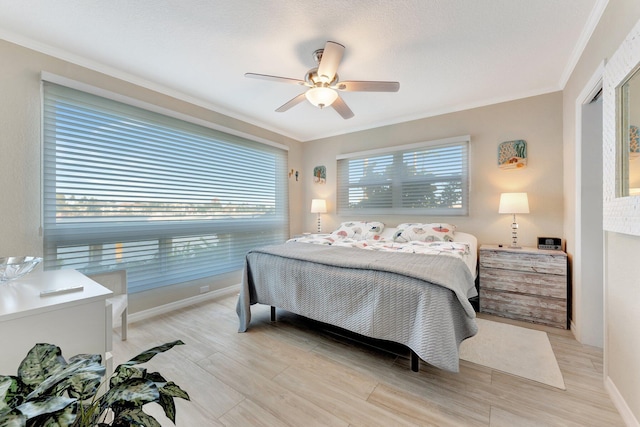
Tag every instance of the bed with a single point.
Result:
(410, 285)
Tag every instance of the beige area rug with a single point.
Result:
(518, 351)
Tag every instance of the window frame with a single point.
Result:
(395, 182)
(245, 232)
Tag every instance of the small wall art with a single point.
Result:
(512, 154)
(320, 175)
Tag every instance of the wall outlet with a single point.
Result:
(204, 289)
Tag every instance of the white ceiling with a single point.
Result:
(448, 55)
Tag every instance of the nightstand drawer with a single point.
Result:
(527, 284)
(524, 261)
(547, 311)
(547, 285)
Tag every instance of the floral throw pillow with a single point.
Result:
(436, 232)
(359, 230)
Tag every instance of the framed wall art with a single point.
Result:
(512, 154)
(320, 175)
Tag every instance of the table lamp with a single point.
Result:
(514, 203)
(318, 206)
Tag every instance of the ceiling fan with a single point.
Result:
(323, 82)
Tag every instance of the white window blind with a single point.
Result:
(430, 178)
(168, 200)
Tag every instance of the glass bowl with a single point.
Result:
(17, 266)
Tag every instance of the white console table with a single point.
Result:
(77, 322)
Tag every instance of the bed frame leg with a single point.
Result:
(273, 314)
(415, 362)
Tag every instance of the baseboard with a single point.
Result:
(574, 330)
(166, 308)
(620, 404)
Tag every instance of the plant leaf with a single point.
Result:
(133, 417)
(42, 361)
(48, 405)
(168, 406)
(91, 357)
(85, 382)
(10, 396)
(83, 385)
(87, 414)
(79, 371)
(6, 385)
(63, 418)
(168, 391)
(125, 372)
(173, 389)
(145, 356)
(132, 392)
(13, 420)
(155, 377)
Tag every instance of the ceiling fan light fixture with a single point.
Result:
(323, 83)
(321, 96)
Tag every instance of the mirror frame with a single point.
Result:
(621, 214)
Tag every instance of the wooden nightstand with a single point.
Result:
(525, 284)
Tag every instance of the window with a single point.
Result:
(168, 200)
(428, 178)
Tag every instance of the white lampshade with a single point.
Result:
(513, 203)
(318, 206)
(321, 96)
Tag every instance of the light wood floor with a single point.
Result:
(294, 373)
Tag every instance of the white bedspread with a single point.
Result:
(464, 249)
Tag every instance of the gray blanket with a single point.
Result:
(414, 299)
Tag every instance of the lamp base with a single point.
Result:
(514, 234)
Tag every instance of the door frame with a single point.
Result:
(589, 91)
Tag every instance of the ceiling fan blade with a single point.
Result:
(292, 103)
(368, 86)
(342, 108)
(275, 78)
(331, 57)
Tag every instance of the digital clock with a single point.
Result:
(554, 243)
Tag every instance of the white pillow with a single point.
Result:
(435, 232)
(359, 230)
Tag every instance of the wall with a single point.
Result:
(622, 299)
(20, 112)
(537, 120)
(622, 305)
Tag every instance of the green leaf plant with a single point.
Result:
(49, 391)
